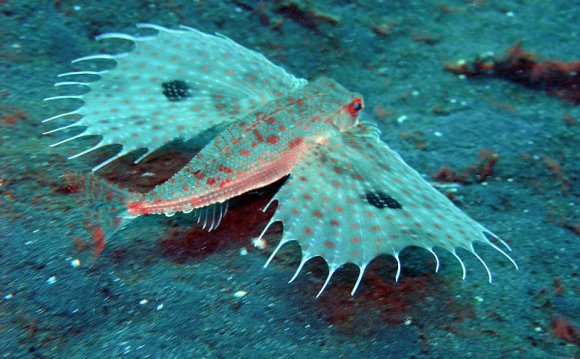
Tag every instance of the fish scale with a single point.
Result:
(349, 197)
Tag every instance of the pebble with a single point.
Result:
(240, 294)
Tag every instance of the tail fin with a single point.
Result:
(105, 210)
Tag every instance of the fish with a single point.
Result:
(348, 196)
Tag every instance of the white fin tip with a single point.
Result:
(143, 25)
(191, 29)
(71, 83)
(398, 267)
(142, 157)
(97, 146)
(227, 207)
(76, 73)
(61, 115)
(483, 263)
(67, 97)
(104, 163)
(68, 139)
(266, 228)
(95, 57)
(436, 259)
(116, 35)
(504, 254)
(497, 237)
(212, 227)
(60, 128)
(268, 205)
(220, 216)
(274, 253)
(460, 262)
(331, 271)
(299, 269)
(205, 218)
(359, 279)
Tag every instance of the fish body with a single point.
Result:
(256, 150)
(349, 197)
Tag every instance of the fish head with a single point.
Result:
(345, 106)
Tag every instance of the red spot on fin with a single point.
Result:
(296, 142)
(258, 135)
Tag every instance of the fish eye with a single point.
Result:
(355, 106)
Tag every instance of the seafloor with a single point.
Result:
(165, 289)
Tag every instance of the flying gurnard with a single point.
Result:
(348, 198)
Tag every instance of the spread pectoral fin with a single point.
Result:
(175, 84)
(355, 198)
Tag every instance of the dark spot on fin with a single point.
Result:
(381, 200)
(176, 90)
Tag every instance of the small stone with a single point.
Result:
(240, 294)
(402, 119)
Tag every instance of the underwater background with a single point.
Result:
(503, 145)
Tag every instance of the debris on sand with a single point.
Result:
(557, 78)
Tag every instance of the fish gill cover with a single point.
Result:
(349, 197)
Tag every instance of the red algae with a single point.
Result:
(557, 78)
(481, 170)
(565, 330)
